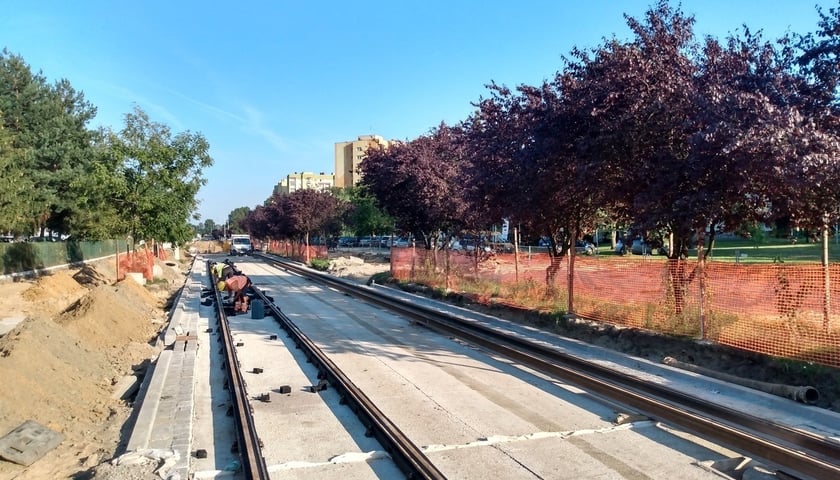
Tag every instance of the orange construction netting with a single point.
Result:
(137, 261)
(784, 310)
(295, 250)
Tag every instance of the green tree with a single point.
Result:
(49, 123)
(15, 186)
(99, 215)
(235, 219)
(365, 217)
(157, 177)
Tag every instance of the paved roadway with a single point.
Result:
(475, 415)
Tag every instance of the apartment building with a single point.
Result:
(348, 156)
(303, 180)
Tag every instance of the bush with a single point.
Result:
(321, 264)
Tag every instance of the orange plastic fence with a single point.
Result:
(160, 252)
(297, 251)
(783, 310)
(137, 261)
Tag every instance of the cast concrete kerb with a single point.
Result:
(174, 329)
(179, 317)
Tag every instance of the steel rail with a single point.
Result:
(248, 442)
(791, 450)
(407, 456)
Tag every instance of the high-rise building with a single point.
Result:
(348, 156)
(303, 180)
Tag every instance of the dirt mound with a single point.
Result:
(112, 316)
(51, 377)
(60, 364)
(345, 262)
(38, 349)
(206, 246)
(356, 268)
(90, 277)
(58, 284)
(49, 294)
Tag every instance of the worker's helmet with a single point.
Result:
(220, 286)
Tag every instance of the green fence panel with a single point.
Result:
(21, 257)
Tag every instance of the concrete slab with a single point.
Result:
(475, 415)
(28, 442)
(8, 323)
(125, 387)
(305, 434)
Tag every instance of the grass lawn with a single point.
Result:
(773, 249)
(769, 251)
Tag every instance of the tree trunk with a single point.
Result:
(570, 283)
(826, 280)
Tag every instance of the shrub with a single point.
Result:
(321, 264)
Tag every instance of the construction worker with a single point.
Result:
(238, 285)
(217, 270)
(224, 270)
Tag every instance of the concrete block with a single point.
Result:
(28, 442)
(125, 387)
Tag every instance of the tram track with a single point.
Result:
(248, 442)
(794, 452)
(405, 454)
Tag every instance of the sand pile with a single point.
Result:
(58, 284)
(50, 294)
(50, 377)
(356, 268)
(60, 364)
(53, 377)
(90, 277)
(109, 318)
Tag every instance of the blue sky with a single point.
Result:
(273, 85)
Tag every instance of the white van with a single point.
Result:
(240, 244)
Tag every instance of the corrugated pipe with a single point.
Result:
(800, 394)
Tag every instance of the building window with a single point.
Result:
(358, 149)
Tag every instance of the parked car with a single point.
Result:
(583, 247)
(365, 241)
(642, 247)
(347, 242)
(463, 245)
(620, 247)
(42, 239)
(502, 247)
